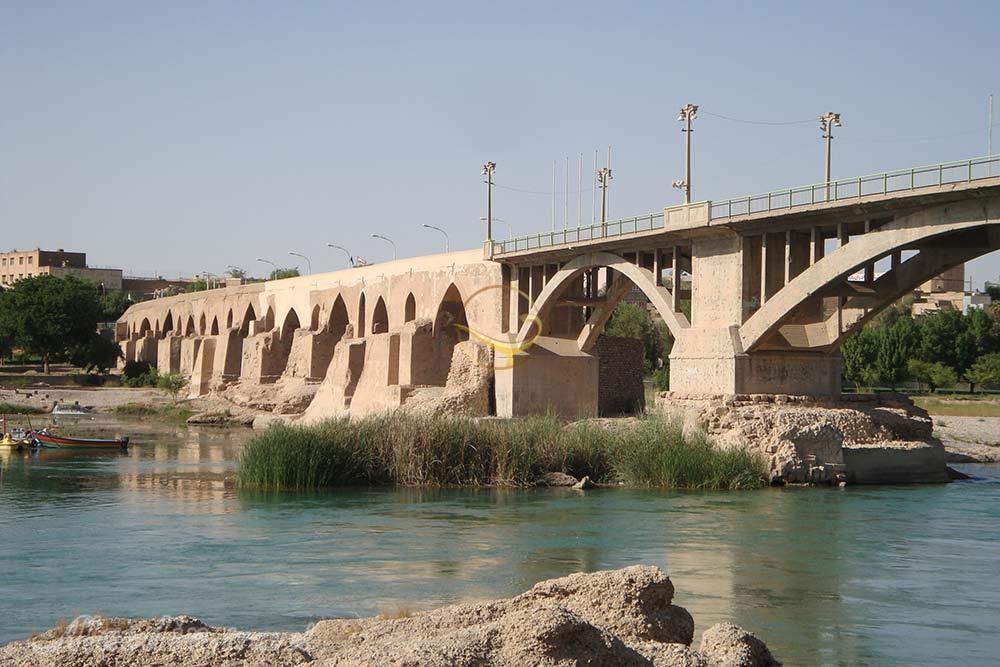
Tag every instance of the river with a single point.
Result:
(862, 575)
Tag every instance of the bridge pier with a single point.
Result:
(554, 377)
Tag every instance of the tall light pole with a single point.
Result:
(488, 170)
(827, 122)
(347, 252)
(386, 238)
(447, 247)
(267, 261)
(299, 254)
(603, 176)
(686, 115)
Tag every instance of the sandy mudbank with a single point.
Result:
(620, 617)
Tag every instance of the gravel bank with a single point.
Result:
(968, 439)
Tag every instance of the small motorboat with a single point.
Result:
(45, 439)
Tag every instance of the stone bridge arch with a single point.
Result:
(380, 317)
(944, 237)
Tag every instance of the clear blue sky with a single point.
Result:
(178, 137)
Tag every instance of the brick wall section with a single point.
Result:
(620, 389)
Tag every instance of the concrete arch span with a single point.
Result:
(944, 236)
(640, 277)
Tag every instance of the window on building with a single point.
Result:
(31, 260)
(20, 260)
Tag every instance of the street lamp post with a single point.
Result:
(488, 170)
(386, 238)
(347, 252)
(603, 176)
(267, 261)
(827, 122)
(447, 243)
(299, 254)
(687, 114)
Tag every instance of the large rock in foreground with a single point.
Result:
(621, 617)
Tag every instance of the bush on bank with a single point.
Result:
(400, 449)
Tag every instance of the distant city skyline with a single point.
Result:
(181, 139)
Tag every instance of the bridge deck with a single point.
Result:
(857, 197)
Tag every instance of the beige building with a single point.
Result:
(19, 264)
(947, 292)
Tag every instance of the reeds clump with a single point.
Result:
(408, 450)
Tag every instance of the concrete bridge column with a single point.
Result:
(555, 376)
(728, 272)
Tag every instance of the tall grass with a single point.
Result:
(173, 412)
(19, 409)
(400, 449)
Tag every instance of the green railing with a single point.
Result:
(610, 229)
(889, 182)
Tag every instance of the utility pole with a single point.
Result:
(989, 138)
(593, 196)
(827, 122)
(552, 218)
(488, 169)
(603, 176)
(566, 204)
(686, 115)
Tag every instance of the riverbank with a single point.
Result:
(969, 439)
(618, 617)
(409, 450)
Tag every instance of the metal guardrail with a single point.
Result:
(610, 229)
(963, 171)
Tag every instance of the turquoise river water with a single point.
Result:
(863, 575)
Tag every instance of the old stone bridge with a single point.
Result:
(758, 293)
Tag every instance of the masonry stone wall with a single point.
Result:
(620, 388)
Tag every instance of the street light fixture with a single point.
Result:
(603, 176)
(447, 247)
(347, 252)
(386, 238)
(686, 115)
(267, 261)
(488, 170)
(827, 122)
(308, 262)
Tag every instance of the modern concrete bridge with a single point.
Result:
(758, 292)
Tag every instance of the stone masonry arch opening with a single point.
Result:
(380, 317)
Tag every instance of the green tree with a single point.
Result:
(985, 370)
(98, 354)
(941, 339)
(236, 272)
(893, 346)
(632, 321)
(280, 274)
(49, 316)
(113, 305)
(858, 355)
(933, 374)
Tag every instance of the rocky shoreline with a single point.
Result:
(618, 617)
